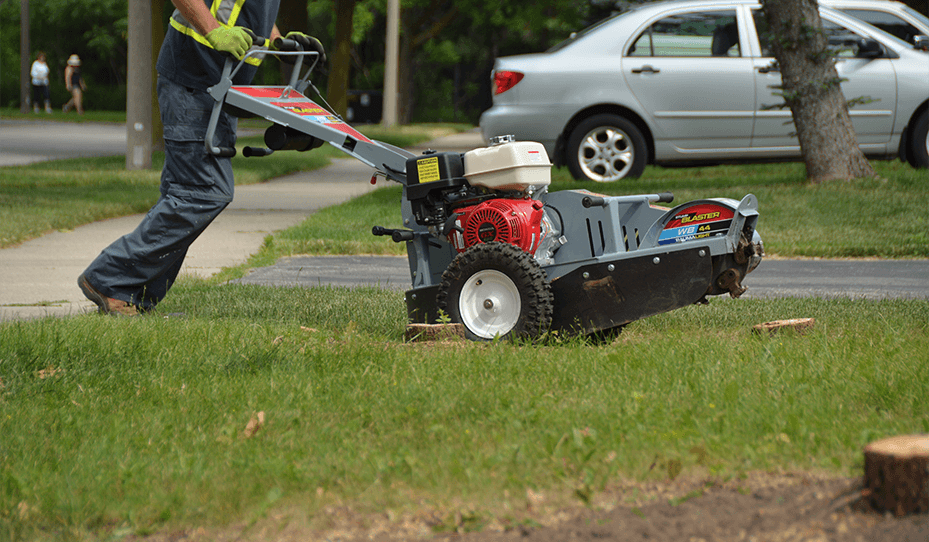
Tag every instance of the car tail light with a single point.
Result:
(505, 80)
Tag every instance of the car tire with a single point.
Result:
(918, 153)
(606, 148)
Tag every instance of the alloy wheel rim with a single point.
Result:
(606, 154)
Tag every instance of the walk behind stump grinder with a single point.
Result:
(489, 247)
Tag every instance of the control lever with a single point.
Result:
(398, 236)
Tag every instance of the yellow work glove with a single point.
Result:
(230, 39)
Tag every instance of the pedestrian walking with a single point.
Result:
(74, 82)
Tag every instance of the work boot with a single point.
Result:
(107, 305)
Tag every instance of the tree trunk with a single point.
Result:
(341, 57)
(291, 17)
(896, 474)
(811, 88)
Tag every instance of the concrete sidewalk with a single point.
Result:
(38, 278)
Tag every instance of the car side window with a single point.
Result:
(694, 34)
(843, 41)
(887, 22)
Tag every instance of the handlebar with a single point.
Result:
(279, 43)
(598, 201)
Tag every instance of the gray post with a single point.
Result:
(139, 87)
(25, 58)
(391, 64)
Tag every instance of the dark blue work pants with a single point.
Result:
(141, 266)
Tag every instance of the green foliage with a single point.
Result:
(94, 30)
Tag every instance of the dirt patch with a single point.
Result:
(760, 508)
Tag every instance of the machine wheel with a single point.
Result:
(606, 148)
(918, 153)
(496, 290)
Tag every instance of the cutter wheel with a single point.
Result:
(496, 290)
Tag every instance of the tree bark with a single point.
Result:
(291, 17)
(341, 57)
(896, 474)
(418, 27)
(811, 88)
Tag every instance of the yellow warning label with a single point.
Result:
(428, 169)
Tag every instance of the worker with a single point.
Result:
(134, 273)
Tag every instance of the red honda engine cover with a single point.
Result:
(514, 221)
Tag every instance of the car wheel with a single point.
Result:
(606, 148)
(918, 153)
(496, 290)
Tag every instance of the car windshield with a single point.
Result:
(578, 35)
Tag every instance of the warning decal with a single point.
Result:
(428, 169)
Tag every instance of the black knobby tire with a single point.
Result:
(606, 148)
(496, 289)
(918, 153)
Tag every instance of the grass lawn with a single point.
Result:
(283, 404)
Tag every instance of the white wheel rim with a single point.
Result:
(606, 154)
(489, 304)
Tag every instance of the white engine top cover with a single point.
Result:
(515, 165)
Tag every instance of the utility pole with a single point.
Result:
(25, 79)
(139, 87)
(391, 64)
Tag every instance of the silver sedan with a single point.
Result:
(688, 81)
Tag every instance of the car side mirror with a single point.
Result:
(868, 48)
(921, 42)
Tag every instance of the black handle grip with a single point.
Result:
(223, 152)
(283, 44)
(665, 197)
(591, 201)
(398, 236)
(257, 40)
(248, 152)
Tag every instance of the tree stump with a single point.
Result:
(800, 325)
(434, 332)
(896, 474)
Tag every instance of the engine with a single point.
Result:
(485, 195)
(514, 221)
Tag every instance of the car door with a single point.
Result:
(870, 83)
(688, 71)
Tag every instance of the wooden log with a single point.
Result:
(896, 474)
(800, 325)
(434, 332)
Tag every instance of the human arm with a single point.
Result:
(234, 40)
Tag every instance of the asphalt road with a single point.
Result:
(26, 142)
(869, 279)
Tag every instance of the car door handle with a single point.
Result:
(770, 68)
(645, 69)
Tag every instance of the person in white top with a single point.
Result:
(40, 92)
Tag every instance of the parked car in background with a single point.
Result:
(892, 17)
(690, 81)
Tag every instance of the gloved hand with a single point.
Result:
(309, 43)
(230, 39)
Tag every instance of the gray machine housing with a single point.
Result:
(607, 260)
